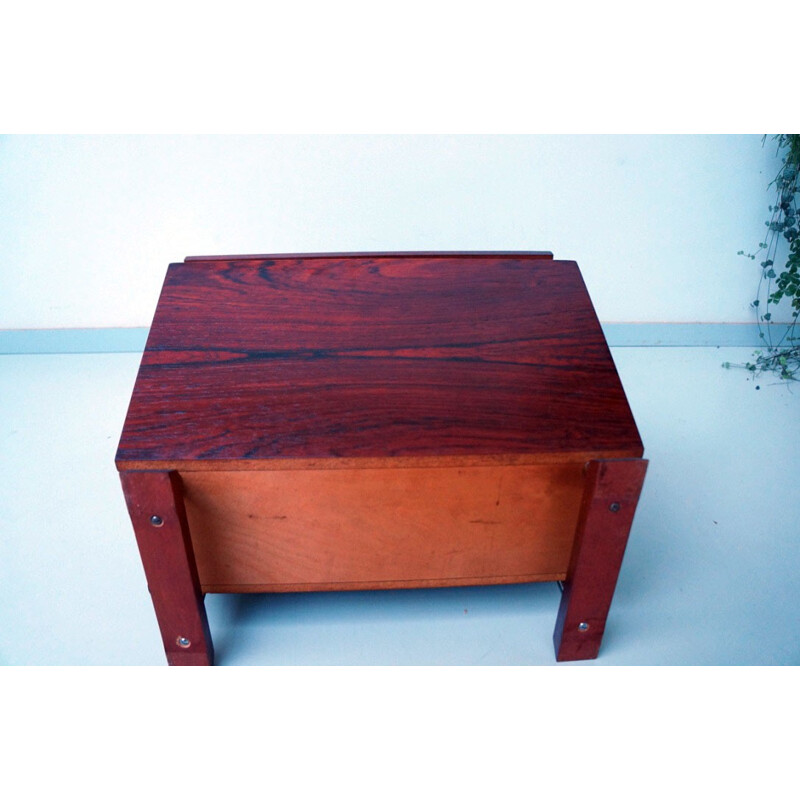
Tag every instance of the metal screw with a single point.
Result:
(156, 521)
(614, 507)
(583, 626)
(182, 641)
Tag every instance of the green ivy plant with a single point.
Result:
(779, 286)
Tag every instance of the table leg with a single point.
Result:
(609, 502)
(155, 504)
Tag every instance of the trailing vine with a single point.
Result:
(779, 287)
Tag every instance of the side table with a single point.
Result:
(367, 421)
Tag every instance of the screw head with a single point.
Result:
(182, 641)
(156, 521)
(614, 507)
(583, 626)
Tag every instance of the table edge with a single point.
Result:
(380, 462)
(535, 254)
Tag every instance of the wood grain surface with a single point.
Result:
(326, 360)
(381, 528)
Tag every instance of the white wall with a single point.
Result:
(89, 224)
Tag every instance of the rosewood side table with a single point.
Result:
(371, 421)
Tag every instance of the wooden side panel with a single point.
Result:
(607, 510)
(382, 528)
(159, 522)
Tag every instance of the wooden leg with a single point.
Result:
(155, 504)
(609, 502)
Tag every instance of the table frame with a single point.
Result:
(594, 430)
(610, 497)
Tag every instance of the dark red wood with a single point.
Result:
(412, 253)
(375, 356)
(166, 551)
(609, 502)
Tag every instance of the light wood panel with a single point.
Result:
(381, 528)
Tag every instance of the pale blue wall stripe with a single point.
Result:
(73, 340)
(618, 334)
(688, 334)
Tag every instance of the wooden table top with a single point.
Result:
(339, 360)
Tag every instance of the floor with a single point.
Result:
(711, 574)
